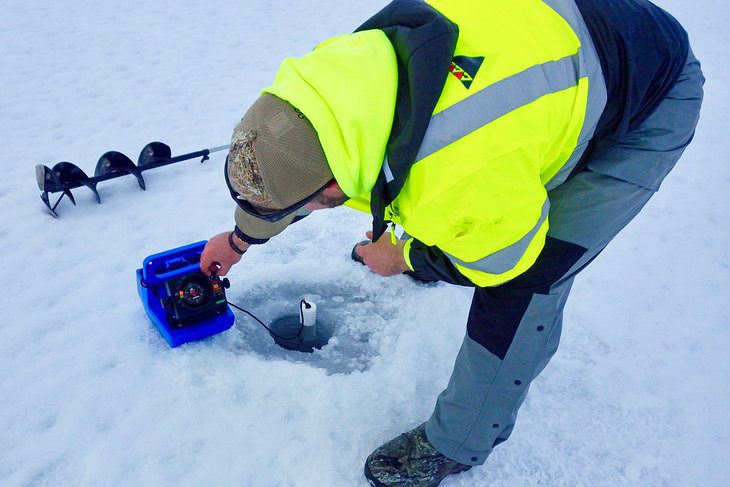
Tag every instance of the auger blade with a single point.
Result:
(51, 209)
(71, 174)
(154, 152)
(70, 195)
(47, 179)
(116, 162)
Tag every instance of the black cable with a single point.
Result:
(299, 332)
(301, 316)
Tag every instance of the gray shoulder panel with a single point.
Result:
(590, 66)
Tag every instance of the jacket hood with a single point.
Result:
(347, 89)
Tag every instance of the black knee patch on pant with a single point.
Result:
(497, 312)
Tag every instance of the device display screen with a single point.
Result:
(193, 294)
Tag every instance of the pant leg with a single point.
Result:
(514, 329)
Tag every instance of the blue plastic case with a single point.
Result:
(151, 278)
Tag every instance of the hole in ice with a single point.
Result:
(352, 315)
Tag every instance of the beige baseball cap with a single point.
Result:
(275, 163)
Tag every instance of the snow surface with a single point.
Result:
(91, 395)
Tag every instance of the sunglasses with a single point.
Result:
(274, 216)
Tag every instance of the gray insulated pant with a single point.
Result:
(513, 330)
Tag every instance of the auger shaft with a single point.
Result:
(153, 165)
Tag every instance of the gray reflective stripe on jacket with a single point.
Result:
(496, 101)
(516, 91)
(504, 260)
(505, 96)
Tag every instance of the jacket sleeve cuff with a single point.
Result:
(430, 264)
(248, 239)
(407, 253)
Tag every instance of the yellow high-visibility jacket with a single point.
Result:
(455, 126)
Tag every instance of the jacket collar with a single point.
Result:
(424, 42)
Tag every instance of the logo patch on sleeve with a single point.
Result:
(465, 69)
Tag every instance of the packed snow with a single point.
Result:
(90, 394)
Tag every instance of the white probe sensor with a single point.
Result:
(308, 313)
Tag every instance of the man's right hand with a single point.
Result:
(218, 251)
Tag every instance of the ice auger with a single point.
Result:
(65, 176)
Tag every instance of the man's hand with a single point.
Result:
(217, 251)
(383, 257)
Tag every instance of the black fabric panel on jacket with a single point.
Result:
(496, 312)
(298, 218)
(424, 42)
(431, 264)
(642, 50)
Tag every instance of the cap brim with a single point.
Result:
(261, 229)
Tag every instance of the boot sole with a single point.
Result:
(376, 483)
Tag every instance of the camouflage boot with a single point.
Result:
(409, 461)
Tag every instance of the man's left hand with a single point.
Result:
(382, 257)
